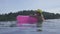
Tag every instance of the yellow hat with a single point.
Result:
(39, 10)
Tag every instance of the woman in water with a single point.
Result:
(40, 18)
(38, 14)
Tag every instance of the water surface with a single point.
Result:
(51, 26)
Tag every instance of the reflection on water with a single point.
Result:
(31, 26)
(8, 24)
(39, 26)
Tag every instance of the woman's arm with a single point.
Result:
(42, 17)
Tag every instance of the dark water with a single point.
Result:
(51, 26)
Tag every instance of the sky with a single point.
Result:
(7, 6)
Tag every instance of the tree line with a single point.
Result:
(12, 16)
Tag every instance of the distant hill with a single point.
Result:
(12, 16)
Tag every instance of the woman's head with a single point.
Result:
(39, 10)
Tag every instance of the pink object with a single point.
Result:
(21, 19)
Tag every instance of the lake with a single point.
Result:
(50, 26)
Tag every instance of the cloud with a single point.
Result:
(54, 10)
